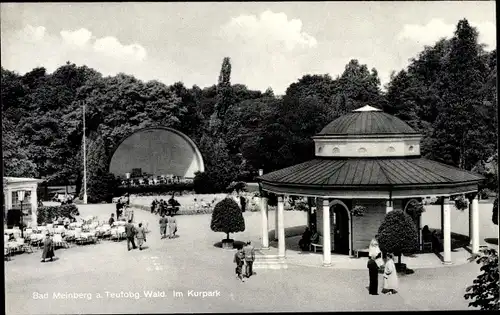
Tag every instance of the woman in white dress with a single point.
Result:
(390, 276)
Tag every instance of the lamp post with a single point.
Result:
(128, 187)
(20, 196)
(84, 160)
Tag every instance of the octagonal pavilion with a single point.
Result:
(368, 158)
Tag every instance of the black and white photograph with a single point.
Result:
(249, 157)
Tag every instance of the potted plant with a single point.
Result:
(461, 203)
(227, 218)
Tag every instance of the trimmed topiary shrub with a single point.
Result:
(227, 217)
(398, 235)
(48, 214)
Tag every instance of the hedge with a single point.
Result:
(49, 214)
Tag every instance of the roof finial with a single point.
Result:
(367, 108)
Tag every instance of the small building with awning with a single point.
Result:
(372, 159)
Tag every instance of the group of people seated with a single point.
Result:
(310, 236)
(163, 207)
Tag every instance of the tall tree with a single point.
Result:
(358, 87)
(461, 103)
(225, 98)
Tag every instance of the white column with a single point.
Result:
(281, 227)
(327, 243)
(265, 228)
(34, 206)
(276, 236)
(8, 199)
(447, 231)
(471, 228)
(389, 207)
(308, 213)
(474, 209)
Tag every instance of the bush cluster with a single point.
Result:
(49, 214)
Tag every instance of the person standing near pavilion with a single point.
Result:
(374, 251)
(249, 252)
(130, 231)
(390, 276)
(373, 273)
(140, 235)
(111, 220)
(163, 226)
(48, 248)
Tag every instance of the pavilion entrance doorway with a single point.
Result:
(340, 229)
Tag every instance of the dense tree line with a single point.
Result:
(447, 92)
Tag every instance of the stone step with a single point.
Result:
(269, 261)
(270, 265)
(266, 257)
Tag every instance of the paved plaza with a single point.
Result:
(114, 280)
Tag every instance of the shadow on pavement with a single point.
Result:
(236, 244)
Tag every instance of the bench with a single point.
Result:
(316, 246)
(363, 250)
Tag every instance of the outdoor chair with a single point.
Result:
(92, 237)
(36, 239)
(114, 234)
(105, 230)
(79, 239)
(59, 230)
(13, 247)
(427, 247)
(59, 242)
(28, 232)
(121, 232)
(6, 253)
(315, 247)
(24, 246)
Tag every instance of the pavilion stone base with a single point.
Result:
(270, 260)
(364, 228)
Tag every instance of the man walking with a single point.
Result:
(238, 259)
(130, 231)
(163, 226)
(141, 235)
(249, 252)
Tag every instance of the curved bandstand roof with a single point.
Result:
(379, 176)
(157, 151)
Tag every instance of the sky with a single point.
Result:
(271, 44)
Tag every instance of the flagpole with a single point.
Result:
(84, 160)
